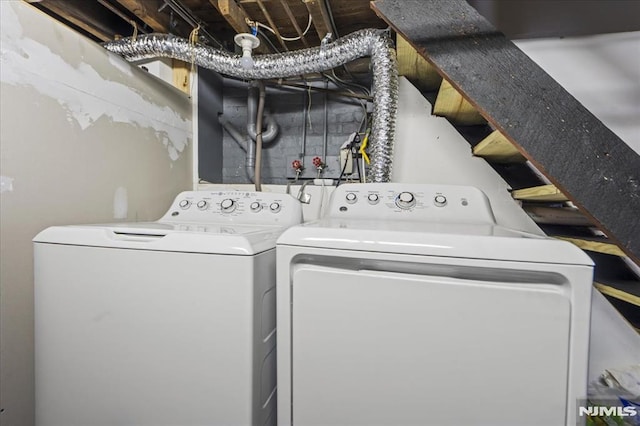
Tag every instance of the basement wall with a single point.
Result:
(84, 138)
(287, 106)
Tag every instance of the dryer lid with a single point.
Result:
(473, 241)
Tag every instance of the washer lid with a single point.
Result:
(473, 241)
(176, 237)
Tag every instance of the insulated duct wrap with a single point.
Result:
(369, 42)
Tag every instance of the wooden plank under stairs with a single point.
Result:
(597, 244)
(628, 291)
(497, 148)
(565, 216)
(415, 68)
(451, 104)
(596, 170)
(546, 193)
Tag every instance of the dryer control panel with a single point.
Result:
(239, 207)
(417, 202)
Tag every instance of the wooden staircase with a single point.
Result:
(551, 202)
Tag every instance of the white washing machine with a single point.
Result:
(161, 323)
(408, 305)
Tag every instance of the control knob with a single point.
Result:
(351, 197)
(255, 207)
(184, 204)
(202, 204)
(440, 200)
(373, 198)
(405, 200)
(275, 207)
(227, 205)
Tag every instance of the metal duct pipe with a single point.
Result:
(369, 42)
(252, 114)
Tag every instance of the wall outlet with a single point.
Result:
(346, 161)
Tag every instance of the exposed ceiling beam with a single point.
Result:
(320, 16)
(267, 15)
(292, 18)
(147, 11)
(86, 20)
(236, 17)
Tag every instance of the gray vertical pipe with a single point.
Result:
(326, 124)
(303, 143)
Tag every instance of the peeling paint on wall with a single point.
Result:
(6, 184)
(27, 62)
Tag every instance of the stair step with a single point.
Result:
(497, 148)
(547, 193)
(596, 244)
(452, 105)
(628, 291)
(568, 216)
(414, 67)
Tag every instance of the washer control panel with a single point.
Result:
(239, 207)
(399, 201)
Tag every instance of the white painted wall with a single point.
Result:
(84, 137)
(602, 72)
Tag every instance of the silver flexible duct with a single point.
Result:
(369, 42)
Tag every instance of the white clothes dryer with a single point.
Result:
(408, 305)
(161, 323)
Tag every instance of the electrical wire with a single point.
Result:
(264, 37)
(268, 28)
(363, 103)
(309, 108)
(333, 23)
(364, 89)
(123, 17)
(187, 15)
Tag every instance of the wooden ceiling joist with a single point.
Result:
(78, 17)
(147, 11)
(319, 16)
(274, 27)
(237, 18)
(589, 163)
(294, 22)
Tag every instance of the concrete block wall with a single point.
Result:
(286, 105)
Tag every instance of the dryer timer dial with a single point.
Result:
(227, 205)
(405, 200)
